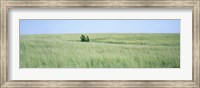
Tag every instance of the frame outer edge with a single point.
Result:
(198, 28)
(99, 3)
(3, 42)
(0, 44)
(1, 83)
(104, 0)
(196, 45)
(4, 47)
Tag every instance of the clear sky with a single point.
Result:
(98, 26)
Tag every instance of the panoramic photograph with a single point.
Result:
(99, 43)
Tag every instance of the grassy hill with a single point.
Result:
(105, 50)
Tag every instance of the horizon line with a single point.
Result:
(98, 33)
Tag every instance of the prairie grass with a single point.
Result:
(105, 50)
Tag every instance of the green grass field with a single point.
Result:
(103, 51)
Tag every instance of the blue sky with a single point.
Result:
(28, 26)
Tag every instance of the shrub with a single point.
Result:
(87, 39)
(84, 38)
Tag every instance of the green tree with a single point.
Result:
(87, 39)
(84, 38)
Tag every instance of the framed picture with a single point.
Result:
(103, 43)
